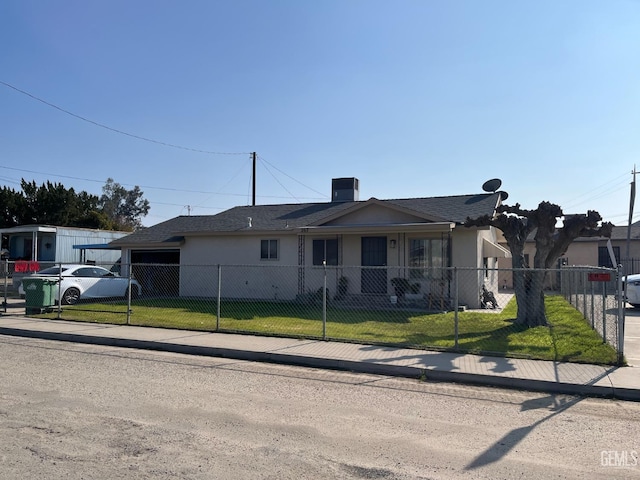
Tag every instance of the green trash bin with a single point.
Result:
(39, 294)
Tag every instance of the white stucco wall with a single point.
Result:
(468, 255)
(237, 250)
(244, 274)
(466, 248)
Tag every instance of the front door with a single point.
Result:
(374, 254)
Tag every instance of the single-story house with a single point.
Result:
(368, 241)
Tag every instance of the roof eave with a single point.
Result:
(400, 227)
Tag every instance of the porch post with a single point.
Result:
(34, 246)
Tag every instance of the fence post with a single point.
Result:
(219, 296)
(621, 302)
(572, 280)
(59, 291)
(584, 293)
(324, 302)
(129, 296)
(6, 281)
(593, 304)
(455, 306)
(604, 310)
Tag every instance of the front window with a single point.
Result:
(428, 257)
(269, 249)
(604, 259)
(325, 250)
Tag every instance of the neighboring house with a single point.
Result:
(594, 251)
(584, 251)
(380, 237)
(30, 247)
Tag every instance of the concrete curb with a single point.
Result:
(339, 364)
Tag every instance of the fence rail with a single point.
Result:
(462, 309)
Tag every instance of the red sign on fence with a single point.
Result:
(599, 277)
(26, 266)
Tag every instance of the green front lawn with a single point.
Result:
(568, 338)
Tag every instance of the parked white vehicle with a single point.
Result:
(85, 281)
(631, 288)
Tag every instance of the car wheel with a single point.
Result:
(134, 293)
(71, 296)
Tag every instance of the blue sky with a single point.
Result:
(414, 98)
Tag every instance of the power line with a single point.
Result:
(224, 186)
(132, 185)
(289, 176)
(115, 130)
(9, 180)
(279, 182)
(83, 179)
(603, 190)
(158, 142)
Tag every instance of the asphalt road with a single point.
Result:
(88, 412)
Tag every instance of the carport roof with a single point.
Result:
(96, 246)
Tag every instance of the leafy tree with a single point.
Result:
(517, 224)
(123, 207)
(92, 216)
(11, 204)
(53, 204)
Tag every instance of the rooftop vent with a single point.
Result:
(345, 189)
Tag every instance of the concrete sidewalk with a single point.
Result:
(553, 377)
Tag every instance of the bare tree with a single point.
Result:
(551, 243)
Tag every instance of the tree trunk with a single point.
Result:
(528, 285)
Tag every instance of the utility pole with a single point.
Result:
(253, 201)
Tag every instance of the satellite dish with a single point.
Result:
(492, 185)
(503, 195)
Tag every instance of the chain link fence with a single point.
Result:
(461, 309)
(594, 293)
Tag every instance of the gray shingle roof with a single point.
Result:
(285, 217)
(620, 233)
(451, 209)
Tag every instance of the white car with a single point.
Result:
(631, 288)
(85, 281)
